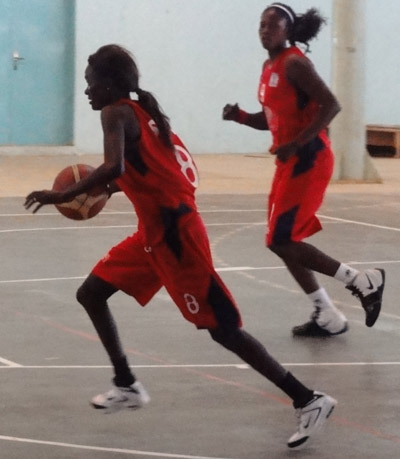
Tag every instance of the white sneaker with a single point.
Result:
(119, 398)
(368, 287)
(312, 417)
(330, 319)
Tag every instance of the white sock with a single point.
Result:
(321, 299)
(345, 274)
(328, 316)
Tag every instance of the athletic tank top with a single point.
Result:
(287, 109)
(159, 181)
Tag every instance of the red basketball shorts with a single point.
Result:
(191, 280)
(297, 192)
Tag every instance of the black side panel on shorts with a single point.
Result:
(307, 154)
(225, 312)
(284, 226)
(134, 158)
(170, 218)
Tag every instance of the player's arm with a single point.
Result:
(255, 120)
(302, 75)
(113, 188)
(113, 124)
(113, 119)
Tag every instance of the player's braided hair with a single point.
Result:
(302, 28)
(115, 64)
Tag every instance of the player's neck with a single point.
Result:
(276, 52)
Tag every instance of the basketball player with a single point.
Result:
(149, 163)
(297, 106)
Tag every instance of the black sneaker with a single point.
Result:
(312, 329)
(368, 287)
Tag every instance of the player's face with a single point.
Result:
(98, 93)
(272, 30)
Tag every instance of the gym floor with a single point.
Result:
(205, 403)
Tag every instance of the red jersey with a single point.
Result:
(159, 181)
(288, 110)
(171, 247)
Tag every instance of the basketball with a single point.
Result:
(83, 206)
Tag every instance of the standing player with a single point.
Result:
(297, 107)
(144, 159)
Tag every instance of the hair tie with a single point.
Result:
(286, 10)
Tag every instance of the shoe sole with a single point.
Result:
(115, 408)
(371, 318)
(322, 333)
(343, 330)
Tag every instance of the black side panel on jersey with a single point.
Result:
(224, 310)
(170, 218)
(284, 226)
(307, 155)
(134, 158)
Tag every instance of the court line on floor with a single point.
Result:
(43, 279)
(202, 211)
(222, 269)
(127, 212)
(66, 228)
(241, 366)
(265, 268)
(238, 366)
(130, 452)
(94, 227)
(355, 222)
(9, 363)
(227, 382)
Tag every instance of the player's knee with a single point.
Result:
(94, 291)
(87, 294)
(277, 249)
(83, 295)
(284, 251)
(224, 336)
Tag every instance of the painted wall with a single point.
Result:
(198, 55)
(382, 90)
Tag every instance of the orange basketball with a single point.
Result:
(85, 205)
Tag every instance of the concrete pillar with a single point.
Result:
(347, 130)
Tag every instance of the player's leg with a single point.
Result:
(302, 260)
(210, 305)
(126, 392)
(124, 268)
(93, 295)
(305, 400)
(297, 193)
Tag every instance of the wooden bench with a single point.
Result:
(383, 135)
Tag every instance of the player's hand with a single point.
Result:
(286, 151)
(230, 112)
(40, 198)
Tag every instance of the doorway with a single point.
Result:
(36, 72)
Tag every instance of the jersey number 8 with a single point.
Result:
(188, 167)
